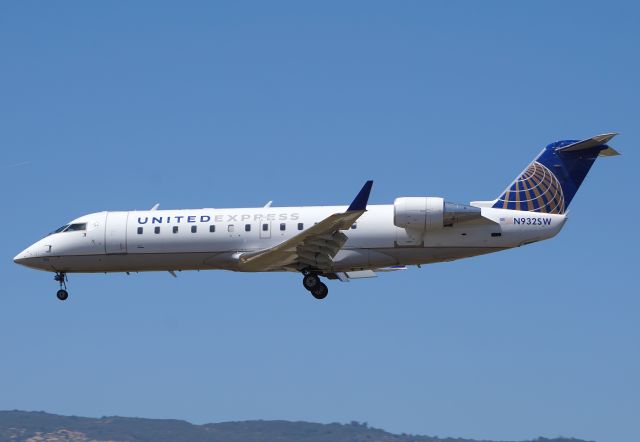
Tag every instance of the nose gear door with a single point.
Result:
(115, 240)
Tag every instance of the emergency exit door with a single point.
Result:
(265, 229)
(115, 240)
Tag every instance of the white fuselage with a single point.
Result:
(215, 238)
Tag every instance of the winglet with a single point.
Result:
(360, 202)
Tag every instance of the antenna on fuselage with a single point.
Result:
(155, 207)
(266, 206)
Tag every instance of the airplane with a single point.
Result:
(335, 242)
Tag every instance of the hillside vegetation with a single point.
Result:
(40, 426)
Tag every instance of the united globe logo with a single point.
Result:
(536, 190)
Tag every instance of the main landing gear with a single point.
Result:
(311, 282)
(61, 278)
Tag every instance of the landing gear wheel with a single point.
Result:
(320, 291)
(62, 294)
(61, 278)
(310, 281)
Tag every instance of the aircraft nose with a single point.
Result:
(31, 258)
(22, 257)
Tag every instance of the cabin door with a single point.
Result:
(115, 240)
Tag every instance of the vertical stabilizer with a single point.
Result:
(551, 181)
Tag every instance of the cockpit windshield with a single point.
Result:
(70, 228)
(61, 229)
(76, 227)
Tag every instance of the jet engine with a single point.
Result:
(430, 213)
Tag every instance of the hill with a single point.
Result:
(40, 426)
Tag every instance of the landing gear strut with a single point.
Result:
(311, 282)
(61, 278)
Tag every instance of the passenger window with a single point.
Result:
(265, 227)
(247, 227)
(156, 230)
(77, 227)
(354, 227)
(230, 228)
(139, 230)
(175, 229)
(194, 229)
(212, 228)
(283, 226)
(300, 226)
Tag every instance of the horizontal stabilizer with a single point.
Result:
(609, 152)
(598, 140)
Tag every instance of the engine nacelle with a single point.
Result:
(430, 213)
(419, 213)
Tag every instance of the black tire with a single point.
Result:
(310, 281)
(62, 295)
(320, 291)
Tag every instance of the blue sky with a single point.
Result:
(202, 104)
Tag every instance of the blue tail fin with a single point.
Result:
(551, 181)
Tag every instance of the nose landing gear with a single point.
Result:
(311, 282)
(61, 278)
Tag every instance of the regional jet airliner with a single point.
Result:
(334, 242)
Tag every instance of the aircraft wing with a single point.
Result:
(314, 247)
